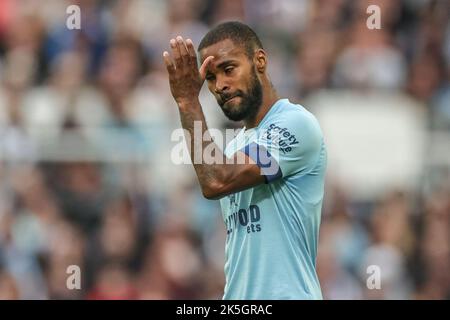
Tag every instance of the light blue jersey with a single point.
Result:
(273, 228)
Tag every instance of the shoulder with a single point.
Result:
(293, 118)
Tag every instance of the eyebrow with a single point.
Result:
(221, 65)
(225, 63)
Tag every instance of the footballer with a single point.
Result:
(271, 203)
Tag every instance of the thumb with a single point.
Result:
(204, 66)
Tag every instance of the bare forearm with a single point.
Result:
(192, 117)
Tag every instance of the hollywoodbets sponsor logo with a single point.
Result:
(282, 137)
(248, 219)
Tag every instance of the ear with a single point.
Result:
(260, 60)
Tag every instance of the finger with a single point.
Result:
(204, 66)
(169, 63)
(176, 53)
(191, 51)
(183, 50)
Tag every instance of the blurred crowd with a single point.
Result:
(85, 123)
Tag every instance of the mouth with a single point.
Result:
(229, 99)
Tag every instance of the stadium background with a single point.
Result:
(85, 124)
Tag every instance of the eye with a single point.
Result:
(229, 69)
(210, 77)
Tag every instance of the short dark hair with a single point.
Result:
(238, 32)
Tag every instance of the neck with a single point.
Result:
(270, 96)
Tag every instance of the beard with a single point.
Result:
(250, 102)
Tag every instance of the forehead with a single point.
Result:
(223, 50)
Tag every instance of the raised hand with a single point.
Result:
(185, 78)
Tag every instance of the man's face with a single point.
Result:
(232, 79)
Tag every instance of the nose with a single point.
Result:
(221, 86)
